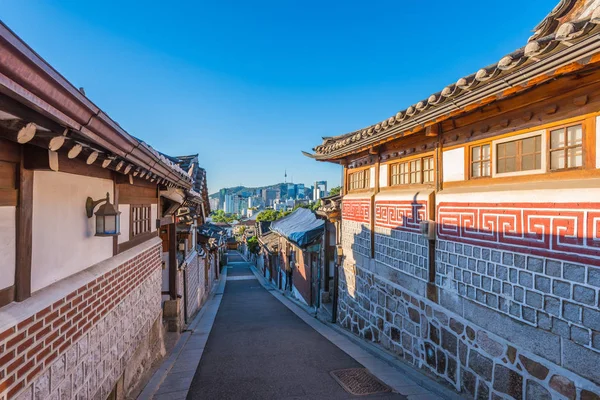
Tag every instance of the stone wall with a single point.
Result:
(477, 362)
(509, 321)
(196, 284)
(80, 344)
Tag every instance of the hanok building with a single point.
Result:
(81, 204)
(471, 221)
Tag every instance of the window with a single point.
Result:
(566, 147)
(359, 180)
(428, 171)
(480, 161)
(519, 155)
(140, 220)
(420, 170)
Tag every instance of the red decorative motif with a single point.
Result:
(357, 210)
(400, 214)
(568, 231)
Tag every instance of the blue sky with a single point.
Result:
(249, 84)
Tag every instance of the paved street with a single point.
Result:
(259, 349)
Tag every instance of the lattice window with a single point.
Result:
(481, 161)
(519, 155)
(140, 220)
(417, 171)
(566, 147)
(358, 180)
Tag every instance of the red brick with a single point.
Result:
(44, 312)
(58, 304)
(35, 327)
(24, 370)
(43, 332)
(34, 373)
(59, 321)
(25, 323)
(15, 364)
(51, 317)
(6, 358)
(25, 345)
(50, 338)
(76, 301)
(64, 346)
(71, 295)
(65, 308)
(12, 392)
(50, 358)
(42, 354)
(35, 350)
(58, 342)
(16, 339)
(65, 327)
(5, 384)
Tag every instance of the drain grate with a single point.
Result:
(359, 382)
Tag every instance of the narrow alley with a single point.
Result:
(259, 347)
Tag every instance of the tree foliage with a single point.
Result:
(221, 216)
(271, 215)
(335, 191)
(253, 246)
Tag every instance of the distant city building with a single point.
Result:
(269, 196)
(291, 191)
(320, 190)
(300, 191)
(214, 203)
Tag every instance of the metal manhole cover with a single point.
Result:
(359, 382)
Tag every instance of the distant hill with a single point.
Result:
(240, 189)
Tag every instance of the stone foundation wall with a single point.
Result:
(476, 361)
(80, 345)
(402, 250)
(196, 285)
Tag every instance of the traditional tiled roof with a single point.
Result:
(270, 240)
(570, 33)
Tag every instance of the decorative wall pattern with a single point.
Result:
(567, 231)
(358, 210)
(400, 214)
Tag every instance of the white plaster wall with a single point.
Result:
(153, 216)
(125, 211)
(598, 142)
(63, 236)
(372, 177)
(7, 246)
(383, 175)
(454, 165)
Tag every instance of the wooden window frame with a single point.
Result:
(481, 160)
(145, 223)
(364, 181)
(543, 133)
(409, 173)
(549, 150)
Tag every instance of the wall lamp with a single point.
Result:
(107, 217)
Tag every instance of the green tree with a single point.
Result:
(221, 216)
(253, 245)
(336, 190)
(271, 215)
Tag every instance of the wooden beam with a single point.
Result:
(173, 261)
(116, 203)
(7, 295)
(432, 130)
(24, 231)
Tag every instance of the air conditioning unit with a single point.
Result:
(428, 229)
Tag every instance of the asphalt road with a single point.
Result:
(259, 349)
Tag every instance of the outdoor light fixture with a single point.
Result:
(340, 253)
(107, 217)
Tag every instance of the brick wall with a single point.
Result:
(78, 346)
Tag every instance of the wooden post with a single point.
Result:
(173, 261)
(24, 232)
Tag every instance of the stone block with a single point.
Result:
(584, 295)
(483, 391)
(526, 279)
(469, 382)
(489, 345)
(554, 268)
(449, 341)
(434, 334)
(542, 284)
(561, 289)
(536, 391)
(533, 299)
(519, 294)
(441, 362)
(502, 272)
(580, 335)
(552, 305)
(457, 326)
(572, 312)
(515, 309)
(531, 339)
(561, 328)
(594, 276)
(482, 365)
(596, 340)
(574, 272)
(564, 386)
(581, 360)
(463, 351)
(508, 381)
(496, 286)
(529, 314)
(536, 369)
(544, 321)
(587, 395)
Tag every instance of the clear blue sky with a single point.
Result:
(249, 84)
